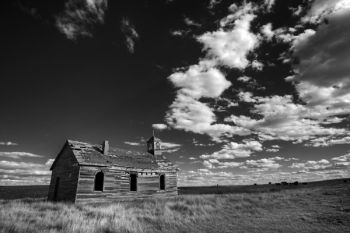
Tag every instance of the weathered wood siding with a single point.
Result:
(67, 169)
(117, 184)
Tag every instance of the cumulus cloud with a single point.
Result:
(262, 164)
(231, 47)
(246, 97)
(214, 163)
(313, 116)
(263, 176)
(228, 46)
(283, 119)
(311, 164)
(80, 16)
(267, 31)
(338, 163)
(259, 171)
(323, 71)
(272, 150)
(321, 78)
(208, 177)
(130, 34)
(257, 65)
(197, 143)
(234, 150)
(191, 115)
(269, 4)
(244, 79)
(199, 81)
(301, 40)
(328, 141)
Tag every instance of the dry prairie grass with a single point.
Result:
(322, 209)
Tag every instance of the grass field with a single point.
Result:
(320, 207)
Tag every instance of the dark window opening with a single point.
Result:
(57, 183)
(99, 181)
(133, 182)
(162, 182)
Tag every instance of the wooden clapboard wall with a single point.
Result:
(117, 184)
(66, 172)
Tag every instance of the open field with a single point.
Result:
(40, 191)
(258, 188)
(317, 208)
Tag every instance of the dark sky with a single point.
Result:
(247, 92)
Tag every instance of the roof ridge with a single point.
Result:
(88, 153)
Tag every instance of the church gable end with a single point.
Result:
(64, 178)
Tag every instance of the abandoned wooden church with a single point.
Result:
(83, 172)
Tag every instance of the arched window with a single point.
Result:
(99, 181)
(162, 182)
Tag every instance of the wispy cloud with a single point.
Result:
(213, 3)
(8, 143)
(269, 4)
(24, 173)
(17, 155)
(80, 16)
(159, 126)
(190, 22)
(130, 34)
(133, 143)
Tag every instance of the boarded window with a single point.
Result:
(99, 181)
(133, 182)
(162, 182)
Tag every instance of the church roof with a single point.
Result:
(90, 154)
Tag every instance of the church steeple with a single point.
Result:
(154, 146)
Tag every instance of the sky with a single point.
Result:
(240, 92)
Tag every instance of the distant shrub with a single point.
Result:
(284, 183)
(304, 183)
(278, 184)
(255, 184)
(270, 183)
(296, 183)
